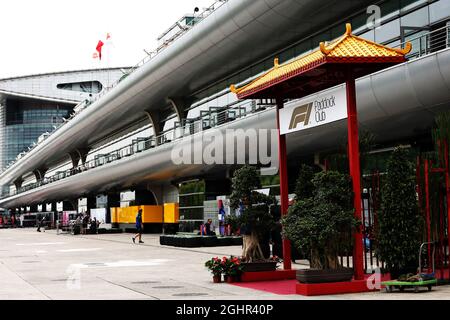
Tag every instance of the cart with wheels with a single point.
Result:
(427, 280)
(401, 285)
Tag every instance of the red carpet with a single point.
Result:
(281, 286)
(276, 287)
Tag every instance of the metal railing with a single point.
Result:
(150, 55)
(421, 45)
(209, 119)
(429, 42)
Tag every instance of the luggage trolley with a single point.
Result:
(420, 280)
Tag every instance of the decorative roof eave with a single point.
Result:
(324, 55)
(242, 93)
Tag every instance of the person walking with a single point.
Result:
(41, 224)
(139, 227)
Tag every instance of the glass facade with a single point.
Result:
(25, 121)
(192, 195)
(400, 21)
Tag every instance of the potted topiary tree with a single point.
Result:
(399, 221)
(315, 225)
(255, 218)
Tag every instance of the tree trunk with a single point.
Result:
(315, 262)
(332, 260)
(251, 248)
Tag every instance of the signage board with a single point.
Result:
(99, 214)
(313, 111)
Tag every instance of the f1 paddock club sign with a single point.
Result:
(314, 110)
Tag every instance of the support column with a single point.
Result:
(77, 155)
(83, 154)
(158, 193)
(91, 203)
(155, 120)
(284, 192)
(113, 202)
(427, 206)
(179, 106)
(355, 172)
(18, 183)
(40, 173)
(447, 189)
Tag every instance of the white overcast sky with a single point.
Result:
(38, 36)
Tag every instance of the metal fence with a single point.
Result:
(371, 200)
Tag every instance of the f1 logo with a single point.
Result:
(300, 114)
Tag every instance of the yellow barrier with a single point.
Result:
(171, 213)
(150, 214)
(114, 218)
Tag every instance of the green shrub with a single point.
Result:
(400, 223)
(316, 225)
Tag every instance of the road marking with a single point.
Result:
(122, 263)
(80, 250)
(134, 263)
(39, 244)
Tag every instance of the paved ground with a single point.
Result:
(50, 266)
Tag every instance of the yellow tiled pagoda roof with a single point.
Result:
(346, 49)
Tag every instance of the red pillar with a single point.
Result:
(355, 172)
(284, 193)
(427, 206)
(447, 187)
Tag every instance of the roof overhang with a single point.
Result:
(7, 94)
(323, 68)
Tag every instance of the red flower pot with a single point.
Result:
(217, 278)
(231, 279)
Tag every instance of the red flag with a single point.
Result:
(99, 48)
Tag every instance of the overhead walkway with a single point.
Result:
(394, 103)
(165, 84)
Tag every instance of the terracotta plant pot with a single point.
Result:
(217, 278)
(231, 279)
